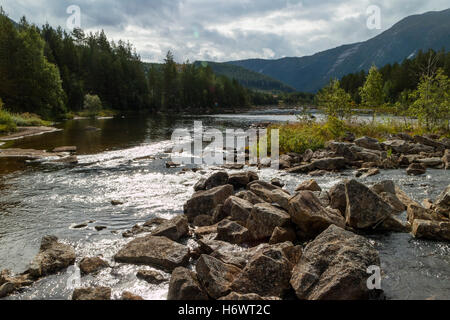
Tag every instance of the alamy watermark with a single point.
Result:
(374, 281)
(74, 20)
(237, 147)
(374, 17)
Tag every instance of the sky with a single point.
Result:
(225, 30)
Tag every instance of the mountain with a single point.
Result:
(247, 78)
(430, 30)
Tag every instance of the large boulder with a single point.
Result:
(397, 146)
(94, 294)
(242, 179)
(217, 179)
(204, 202)
(174, 229)
(53, 257)
(267, 274)
(159, 252)
(236, 208)
(281, 198)
(281, 235)
(431, 230)
(184, 285)
(264, 218)
(365, 209)
(215, 276)
(311, 217)
(334, 267)
(417, 212)
(368, 143)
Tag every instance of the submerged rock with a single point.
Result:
(92, 265)
(98, 294)
(431, 230)
(53, 257)
(184, 285)
(159, 252)
(334, 267)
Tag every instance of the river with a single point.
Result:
(37, 199)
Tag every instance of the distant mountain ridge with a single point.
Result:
(248, 78)
(430, 30)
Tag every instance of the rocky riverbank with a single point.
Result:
(246, 239)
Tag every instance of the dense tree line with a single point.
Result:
(51, 72)
(399, 78)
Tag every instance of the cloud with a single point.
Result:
(225, 30)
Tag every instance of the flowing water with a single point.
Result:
(41, 198)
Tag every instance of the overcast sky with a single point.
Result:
(225, 30)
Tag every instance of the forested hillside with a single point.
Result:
(50, 72)
(400, 78)
(248, 78)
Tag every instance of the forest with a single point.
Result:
(55, 74)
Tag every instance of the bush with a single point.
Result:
(7, 123)
(92, 104)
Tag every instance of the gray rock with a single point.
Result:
(443, 203)
(267, 274)
(250, 197)
(310, 216)
(236, 208)
(334, 267)
(416, 169)
(365, 209)
(204, 202)
(234, 296)
(174, 229)
(159, 252)
(264, 218)
(338, 199)
(368, 143)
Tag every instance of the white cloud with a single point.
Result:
(225, 30)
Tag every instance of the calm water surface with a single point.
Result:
(40, 198)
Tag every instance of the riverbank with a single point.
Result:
(22, 132)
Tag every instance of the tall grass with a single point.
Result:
(9, 121)
(304, 135)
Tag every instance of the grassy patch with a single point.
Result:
(9, 121)
(304, 135)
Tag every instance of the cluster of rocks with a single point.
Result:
(366, 155)
(255, 241)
